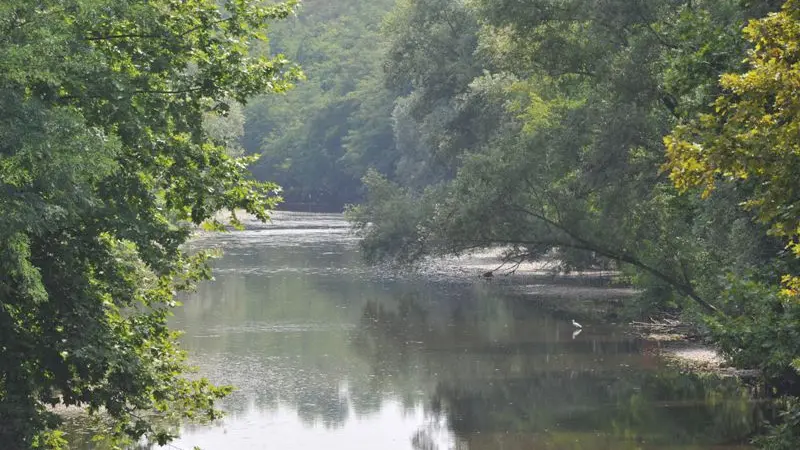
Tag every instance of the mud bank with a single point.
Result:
(589, 296)
(680, 348)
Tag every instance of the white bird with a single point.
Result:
(576, 324)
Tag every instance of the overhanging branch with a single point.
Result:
(577, 242)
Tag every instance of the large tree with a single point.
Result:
(749, 143)
(544, 132)
(751, 136)
(105, 170)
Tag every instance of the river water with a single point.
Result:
(327, 353)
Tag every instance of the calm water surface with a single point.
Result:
(327, 353)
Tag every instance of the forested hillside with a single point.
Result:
(317, 140)
(658, 137)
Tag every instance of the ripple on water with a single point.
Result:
(273, 238)
(264, 327)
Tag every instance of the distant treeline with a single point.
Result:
(318, 140)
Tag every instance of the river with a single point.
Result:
(328, 353)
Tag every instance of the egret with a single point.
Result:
(576, 324)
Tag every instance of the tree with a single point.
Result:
(105, 170)
(751, 137)
(749, 143)
(547, 136)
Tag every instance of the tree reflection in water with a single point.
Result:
(522, 390)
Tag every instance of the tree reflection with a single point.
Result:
(336, 345)
(541, 389)
(489, 371)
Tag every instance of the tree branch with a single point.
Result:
(111, 37)
(578, 242)
(142, 91)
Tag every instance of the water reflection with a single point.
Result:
(527, 388)
(327, 353)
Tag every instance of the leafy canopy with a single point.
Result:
(105, 169)
(751, 137)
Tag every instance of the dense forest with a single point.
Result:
(318, 140)
(658, 138)
(115, 145)
(655, 137)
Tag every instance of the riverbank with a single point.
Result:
(600, 297)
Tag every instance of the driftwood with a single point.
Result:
(661, 325)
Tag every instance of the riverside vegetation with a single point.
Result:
(654, 137)
(106, 165)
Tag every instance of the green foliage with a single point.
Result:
(374, 99)
(751, 136)
(759, 329)
(399, 236)
(544, 132)
(748, 143)
(318, 140)
(105, 168)
(786, 434)
(548, 122)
